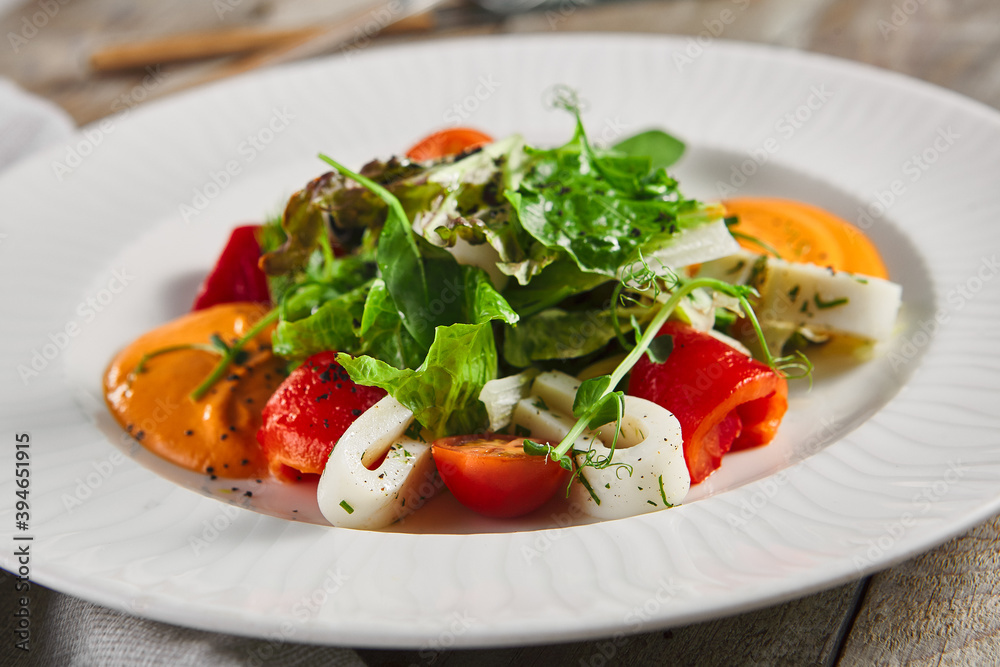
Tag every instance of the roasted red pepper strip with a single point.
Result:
(236, 276)
(308, 413)
(723, 399)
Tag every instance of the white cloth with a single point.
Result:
(28, 124)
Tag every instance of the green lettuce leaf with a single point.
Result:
(443, 392)
(333, 326)
(559, 334)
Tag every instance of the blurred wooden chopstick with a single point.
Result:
(227, 42)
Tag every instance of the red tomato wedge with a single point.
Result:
(490, 474)
(236, 276)
(448, 142)
(308, 413)
(722, 398)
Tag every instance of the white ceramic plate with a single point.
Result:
(109, 235)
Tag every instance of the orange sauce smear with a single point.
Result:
(215, 435)
(804, 233)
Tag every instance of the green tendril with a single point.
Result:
(233, 354)
(641, 275)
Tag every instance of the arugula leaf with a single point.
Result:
(660, 148)
(601, 208)
(443, 392)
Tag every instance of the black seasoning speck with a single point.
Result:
(232, 428)
(235, 488)
(322, 397)
(248, 400)
(244, 462)
(248, 494)
(209, 470)
(140, 435)
(339, 385)
(356, 412)
(189, 432)
(223, 436)
(213, 477)
(225, 465)
(354, 390)
(326, 423)
(233, 377)
(129, 428)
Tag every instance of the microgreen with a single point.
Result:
(229, 354)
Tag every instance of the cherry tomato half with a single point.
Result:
(447, 142)
(490, 474)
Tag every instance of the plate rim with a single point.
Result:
(750, 600)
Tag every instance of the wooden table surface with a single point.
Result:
(940, 608)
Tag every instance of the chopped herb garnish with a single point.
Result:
(823, 305)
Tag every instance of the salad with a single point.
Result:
(505, 322)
